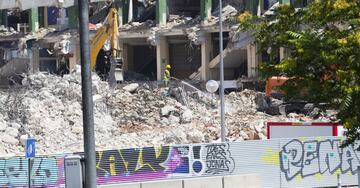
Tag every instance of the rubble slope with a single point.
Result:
(48, 108)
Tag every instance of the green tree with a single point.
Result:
(323, 41)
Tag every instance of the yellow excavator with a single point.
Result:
(109, 29)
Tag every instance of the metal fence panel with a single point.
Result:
(258, 157)
(302, 162)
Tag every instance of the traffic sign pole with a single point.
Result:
(29, 172)
(29, 154)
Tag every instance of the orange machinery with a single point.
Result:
(273, 82)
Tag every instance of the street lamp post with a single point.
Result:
(222, 102)
(87, 99)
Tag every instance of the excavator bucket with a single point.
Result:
(116, 71)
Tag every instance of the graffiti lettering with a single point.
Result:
(141, 164)
(218, 159)
(312, 157)
(45, 172)
(130, 161)
(183, 152)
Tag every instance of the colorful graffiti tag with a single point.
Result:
(149, 163)
(126, 165)
(45, 171)
(313, 157)
(141, 164)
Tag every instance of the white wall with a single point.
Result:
(234, 181)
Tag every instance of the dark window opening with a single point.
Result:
(187, 8)
(16, 17)
(47, 62)
(144, 65)
(185, 59)
(216, 46)
(143, 11)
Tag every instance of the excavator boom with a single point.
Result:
(109, 29)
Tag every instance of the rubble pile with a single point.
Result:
(191, 26)
(7, 31)
(48, 108)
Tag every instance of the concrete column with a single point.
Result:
(130, 57)
(46, 17)
(125, 11)
(260, 6)
(284, 53)
(125, 56)
(206, 50)
(4, 17)
(75, 50)
(131, 10)
(73, 17)
(206, 10)
(120, 10)
(35, 67)
(41, 16)
(253, 59)
(161, 7)
(162, 57)
(252, 6)
(33, 19)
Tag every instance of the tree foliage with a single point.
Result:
(323, 41)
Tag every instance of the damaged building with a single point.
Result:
(36, 39)
(152, 33)
(41, 39)
(185, 34)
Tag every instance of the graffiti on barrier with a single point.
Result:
(197, 164)
(47, 171)
(293, 159)
(142, 164)
(218, 159)
(150, 163)
(313, 157)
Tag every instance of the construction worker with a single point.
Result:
(167, 75)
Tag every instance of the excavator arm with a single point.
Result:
(109, 29)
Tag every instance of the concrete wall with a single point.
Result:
(239, 181)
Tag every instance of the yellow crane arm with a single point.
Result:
(109, 28)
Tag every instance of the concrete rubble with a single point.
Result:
(7, 31)
(48, 108)
(191, 26)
